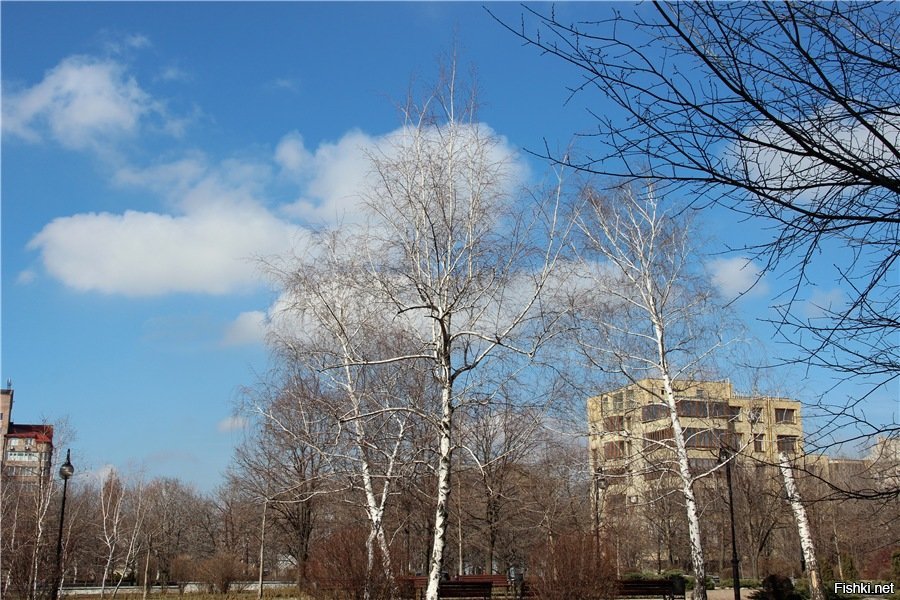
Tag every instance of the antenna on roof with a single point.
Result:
(9, 383)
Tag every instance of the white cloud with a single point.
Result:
(248, 328)
(777, 161)
(291, 154)
(217, 218)
(231, 424)
(207, 245)
(339, 174)
(821, 303)
(737, 276)
(82, 102)
(336, 176)
(147, 254)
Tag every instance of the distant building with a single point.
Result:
(27, 449)
(631, 440)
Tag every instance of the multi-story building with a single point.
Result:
(27, 450)
(632, 444)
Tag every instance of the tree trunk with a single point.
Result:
(443, 495)
(146, 574)
(687, 484)
(803, 528)
(262, 548)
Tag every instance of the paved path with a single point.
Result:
(724, 594)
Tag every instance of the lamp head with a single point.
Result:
(67, 470)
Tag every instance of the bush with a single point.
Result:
(776, 587)
(570, 569)
(220, 571)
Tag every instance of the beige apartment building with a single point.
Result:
(27, 450)
(631, 442)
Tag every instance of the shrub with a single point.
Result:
(776, 587)
(570, 568)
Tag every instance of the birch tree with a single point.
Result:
(350, 405)
(112, 495)
(647, 316)
(451, 259)
(786, 113)
(803, 528)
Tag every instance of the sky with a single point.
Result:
(152, 153)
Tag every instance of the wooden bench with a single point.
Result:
(474, 587)
(649, 588)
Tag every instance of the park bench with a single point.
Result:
(650, 588)
(473, 587)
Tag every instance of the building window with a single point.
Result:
(703, 438)
(614, 423)
(784, 415)
(758, 440)
(22, 456)
(755, 415)
(654, 412)
(614, 450)
(787, 443)
(617, 403)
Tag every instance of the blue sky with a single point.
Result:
(151, 150)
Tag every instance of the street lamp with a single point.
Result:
(725, 456)
(65, 471)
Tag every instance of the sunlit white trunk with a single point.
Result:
(443, 495)
(375, 503)
(687, 483)
(687, 490)
(803, 529)
(262, 548)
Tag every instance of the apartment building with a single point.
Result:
(27, 449)
(631, 441)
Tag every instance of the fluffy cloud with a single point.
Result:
(147, 254)
(338, 174)
(216, 218)
(291, 154)
(737, 276)
(248, 328)
(82, 102)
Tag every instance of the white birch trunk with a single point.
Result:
(687, 482)
(443, 495)
(262, 548)
(687, 490)
(375, 505)
(803, 528)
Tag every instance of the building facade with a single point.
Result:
(631, 441)
(27, 449)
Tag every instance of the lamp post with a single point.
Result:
(65, 471)
(725, 456)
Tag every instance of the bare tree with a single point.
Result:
(349, 405)
(446, 258)
(786, 112)
(648, 318)
(496, 441)
(803, 528)
(112, 496)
